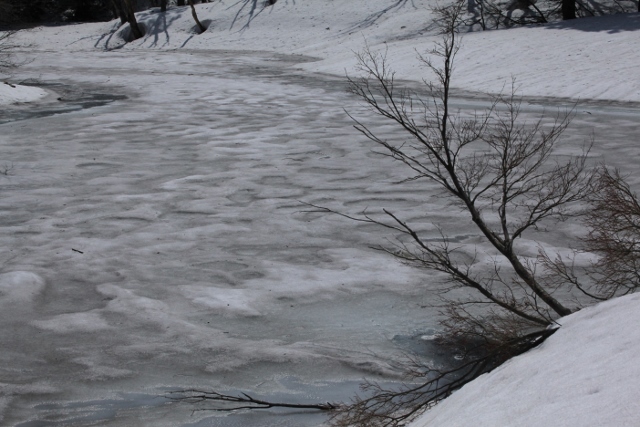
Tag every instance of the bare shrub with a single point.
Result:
(6, 50)
(614, 234)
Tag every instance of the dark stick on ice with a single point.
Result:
(242, 401)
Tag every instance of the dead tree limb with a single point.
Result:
(242, 401)
(396, 407)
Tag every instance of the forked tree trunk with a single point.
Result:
(131, 18)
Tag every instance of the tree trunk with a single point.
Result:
(163, 6)
(201, 27)
(568, 9)
(131, 18)
(180, 3)
(119, 12)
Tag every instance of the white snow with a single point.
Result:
(159, 241)
(591, 58)
(585, 375)
(15, 93)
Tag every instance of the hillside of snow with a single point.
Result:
(591, 58)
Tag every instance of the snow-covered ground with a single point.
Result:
(158, 241)
(593, 58)
(15, 93)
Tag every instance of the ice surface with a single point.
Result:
(154, 243)
(20, 287)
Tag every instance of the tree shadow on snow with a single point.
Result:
(153, 24)
(253, 8)
(611, 24)
(374, 17)
(156, 23)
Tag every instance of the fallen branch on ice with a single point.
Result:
(242, 401)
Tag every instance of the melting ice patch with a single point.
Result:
(73, 322)
(228, 301)
(20, 287)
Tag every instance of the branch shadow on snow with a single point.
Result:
(253, 11)
(153, 23)
(123, 33)
(374, 17)
(156, 23)
(611, 24)
(105, 36)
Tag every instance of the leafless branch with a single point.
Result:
(243, 401)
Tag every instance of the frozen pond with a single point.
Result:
(158, 242)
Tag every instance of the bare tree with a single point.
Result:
(502, 171)
(498, 169)
(126, 11)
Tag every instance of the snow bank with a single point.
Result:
(12, 94)
(590, 58)
(586, 374)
